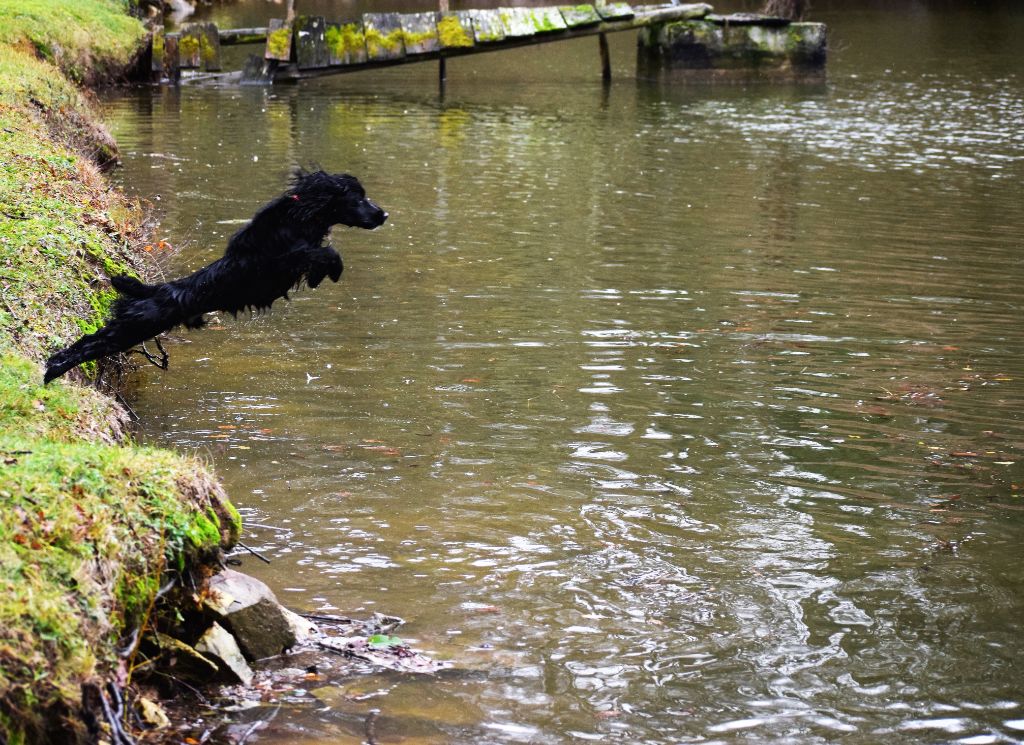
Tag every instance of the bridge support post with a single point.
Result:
(606, 64)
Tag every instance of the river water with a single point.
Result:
(666, 414)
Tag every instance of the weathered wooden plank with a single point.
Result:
(419, 32)
(455, 30)
(579, 15)
(614, 11)
(546, 19)
(487, 26)
(209, 47)
(346, 42)
(199, 46)
(189, 47)
(279, 40)
(384, 37)
(156, 63)
(310, 42)
(171, 61)
(516, 22)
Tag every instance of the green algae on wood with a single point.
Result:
(516, 22)
(199, 46)
(384, 37)
(614, 11)
(310, 43)
(346, 43)
(579, 15)
(419, 32)
(279, 40)
(455, 30)
(487, 26)
(189, 47)
(546, 19)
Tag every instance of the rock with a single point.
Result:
(250, 611)
(184, 661)
(303, 628)
(737, 48)
(220, 646)
(152, 713)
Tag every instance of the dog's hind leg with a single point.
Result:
(116, 336)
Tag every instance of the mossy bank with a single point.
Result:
(92, 526)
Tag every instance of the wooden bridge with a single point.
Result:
(311, 46)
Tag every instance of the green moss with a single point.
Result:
(87, 532)
(345, 40)
(88, 525)
(279, 42)
(452, 34)
(411, 39)
(541, 22)
(377, 43)
(188, 47)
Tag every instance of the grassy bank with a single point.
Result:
(90, 524)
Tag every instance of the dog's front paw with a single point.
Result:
(336, 268)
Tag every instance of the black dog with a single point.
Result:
(282, 246)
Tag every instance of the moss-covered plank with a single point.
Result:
(516, 22)
(384, 37)
(310, 42)
(614, 11)
(209, 47)
(156, 45)
(579, 15)
(279, 40)
(346, 42)
(546, 19)
(487, 26)
(190, 46)
(419, 32)
(455, 30)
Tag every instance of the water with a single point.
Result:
(666, 415)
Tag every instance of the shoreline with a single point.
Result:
(100, 538)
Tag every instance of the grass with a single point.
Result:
(88, 533)
(90, 40)
(90, 524)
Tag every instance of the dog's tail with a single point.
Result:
(131, 287)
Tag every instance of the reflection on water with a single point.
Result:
(667, 415)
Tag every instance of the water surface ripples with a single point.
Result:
(669, 416)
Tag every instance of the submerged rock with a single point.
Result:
(249, 609)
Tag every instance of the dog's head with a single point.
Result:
(335, 198)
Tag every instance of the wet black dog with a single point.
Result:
(280, 248)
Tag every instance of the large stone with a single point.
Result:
(249, 609)
(714, 50)
(221, 647)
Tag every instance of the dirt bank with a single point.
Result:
(93, 528)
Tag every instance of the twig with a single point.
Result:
(126, 405)
(198, 694)
(247, 524)
(331, 619)
(118, 735)
(160, 362)
(257, 724)
(16, 217)
(255, 553)
(371, 726)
